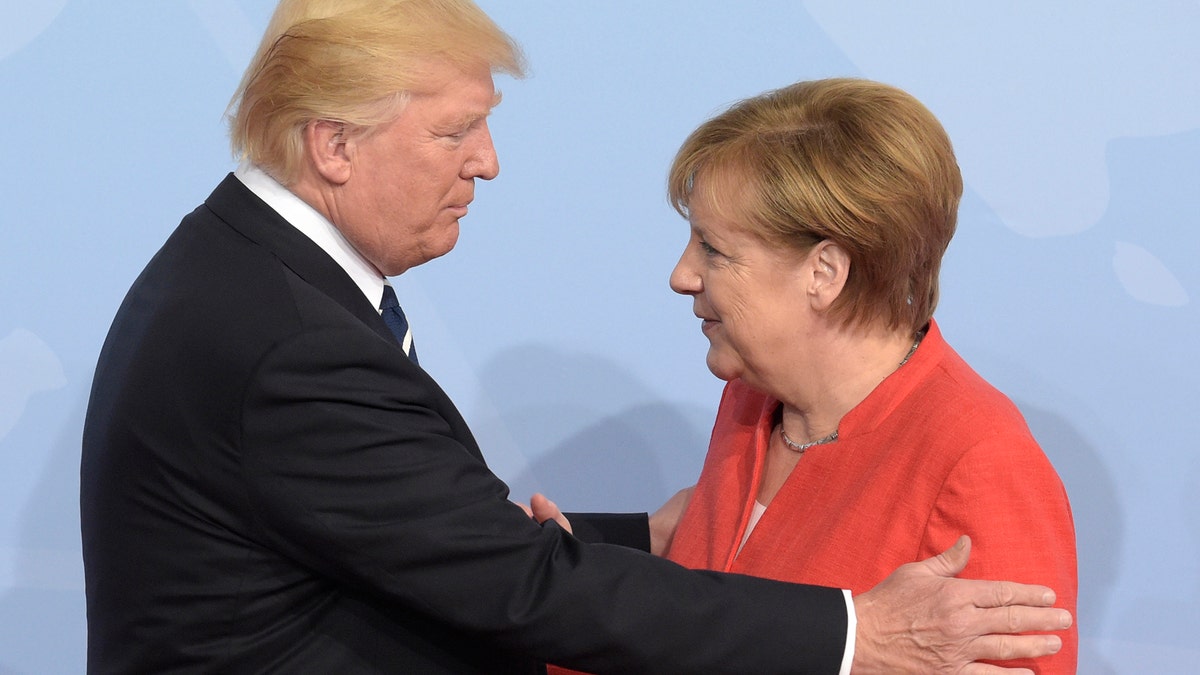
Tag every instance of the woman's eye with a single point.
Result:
(708, 249)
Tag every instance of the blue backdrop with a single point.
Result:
(1071, 284)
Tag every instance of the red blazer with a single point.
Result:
(933, 452)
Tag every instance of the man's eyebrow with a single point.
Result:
(471, 118)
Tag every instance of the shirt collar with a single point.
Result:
(316, 227)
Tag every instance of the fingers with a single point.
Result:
(1007, 647)
(1021, 619)
(997, 594)
(1010, 593)
(988, 669)
(525, 508)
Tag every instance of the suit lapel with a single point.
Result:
(235, 204)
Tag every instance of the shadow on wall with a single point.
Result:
(1099, 523)
(43, 623)
(1172, 648)
(595, 437)
(633, 460)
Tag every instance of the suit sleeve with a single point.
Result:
(631, 530)
(354, 468)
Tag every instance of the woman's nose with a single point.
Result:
(683, 279)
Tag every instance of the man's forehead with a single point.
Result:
(435, 74)
(462, 113)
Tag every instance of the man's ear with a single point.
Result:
(328, 149)
(830, 269)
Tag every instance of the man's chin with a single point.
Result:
(449, 241)
(440, 247)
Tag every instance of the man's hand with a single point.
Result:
(664, 521)
(922, 620)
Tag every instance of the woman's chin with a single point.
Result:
(722, 367)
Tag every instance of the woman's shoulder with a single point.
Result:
(955, 391)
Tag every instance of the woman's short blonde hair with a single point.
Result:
(351, 61)
(859, 163)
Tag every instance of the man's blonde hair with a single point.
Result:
(355, 62)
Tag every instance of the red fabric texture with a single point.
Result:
(933, 452)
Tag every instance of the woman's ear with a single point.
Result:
(830, 265)
(329, 150)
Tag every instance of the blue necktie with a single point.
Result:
(394, 317)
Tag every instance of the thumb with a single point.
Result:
(543, 509)
(951, 561)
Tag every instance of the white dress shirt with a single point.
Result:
(316, 227)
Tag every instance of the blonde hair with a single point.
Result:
(351, 61)
(859, 163)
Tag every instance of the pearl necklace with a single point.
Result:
(801, 447)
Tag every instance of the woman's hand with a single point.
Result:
(664, 521)
(541, 509)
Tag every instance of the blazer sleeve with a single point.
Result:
(355, 468)
(1005, 494)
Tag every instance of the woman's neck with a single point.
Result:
(839, 373)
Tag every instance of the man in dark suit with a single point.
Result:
(271, 483)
